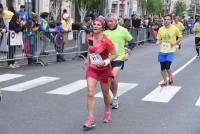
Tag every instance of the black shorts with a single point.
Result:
(197, 42)
(118, 63)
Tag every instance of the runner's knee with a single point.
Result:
(90, 92)
(163, 66)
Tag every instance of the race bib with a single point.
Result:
(95, 58)
(166, 46)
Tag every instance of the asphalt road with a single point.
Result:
(35, 101)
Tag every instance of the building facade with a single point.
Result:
(37, 6)
(122, 7)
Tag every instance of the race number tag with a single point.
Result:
(95, 58)
(166, 46)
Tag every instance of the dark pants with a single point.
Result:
(11, 53)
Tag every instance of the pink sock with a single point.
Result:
(107, 109)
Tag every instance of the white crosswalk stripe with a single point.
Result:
(30, 84)
(162, 94)
(70, 88)
(6, 77)
(123, 88)
(198, 102)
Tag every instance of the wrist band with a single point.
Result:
(106, 62)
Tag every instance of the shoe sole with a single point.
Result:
(115, 107)
(106, 121)
(89, 127)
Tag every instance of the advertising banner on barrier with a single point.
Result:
(15, 38)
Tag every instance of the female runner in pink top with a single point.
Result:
(101, 52)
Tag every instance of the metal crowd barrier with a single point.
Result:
(139, 35)
(43, 48)
(39, 47)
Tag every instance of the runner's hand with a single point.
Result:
(100, 64)
(85, 64)
(174, 44)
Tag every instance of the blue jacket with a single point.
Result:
(59, 29)
(44, 25)
(23, 15)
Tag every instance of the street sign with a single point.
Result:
(15, 38)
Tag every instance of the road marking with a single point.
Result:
(162, 94)
(70, 88)
(30, 84)
(198, 103)
(123, 88)
(6, 77)
(181, 68)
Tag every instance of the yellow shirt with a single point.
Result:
(67, 26)
(168, 36)
(180, 26)
(197, 27)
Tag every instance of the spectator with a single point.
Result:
(59, 30)
(14, 25)
(2, 26)
(32, 27)
(127, 23)
(23, 14)
(66, 25)
(136, 22)
(63, 13)
(11, 9)
(45, 28)
(120, 21)
(87, 25)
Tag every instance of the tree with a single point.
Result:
(154, 6)
(143, 5)
(179, 7)
(85, 5)
(55, 9)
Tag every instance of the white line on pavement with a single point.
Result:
(6, 77)
(70, 88)
(123, 88)
(198, 103)
(30, 84)
(184, 66)
(162, 94)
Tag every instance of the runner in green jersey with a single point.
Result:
(119, 36)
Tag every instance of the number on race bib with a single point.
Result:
(95, 58)
(166, 46)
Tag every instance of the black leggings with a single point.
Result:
(165, 65)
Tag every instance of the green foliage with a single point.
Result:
(179, 7)
(85, 3)
(142, 3)
(76, 26)
(154, 6)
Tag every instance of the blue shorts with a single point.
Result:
(118, 63)
(162, 57)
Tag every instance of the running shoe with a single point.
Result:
(106, 116)
(115, 103)
(89, 122)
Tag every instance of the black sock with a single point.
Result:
(197, 49)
